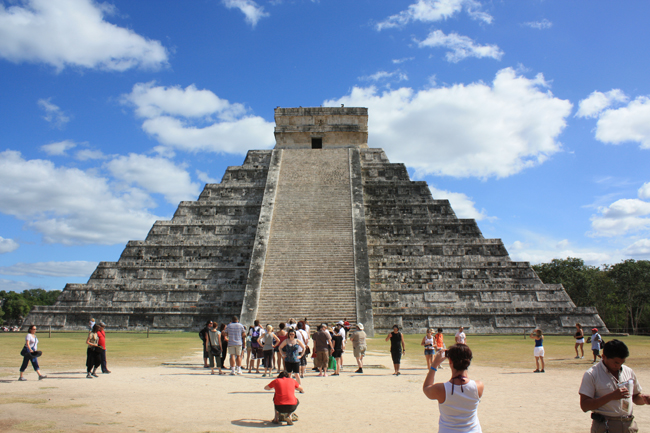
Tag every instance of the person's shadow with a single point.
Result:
(254, 423)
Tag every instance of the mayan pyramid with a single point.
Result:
(323, 227)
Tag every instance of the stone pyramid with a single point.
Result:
(320, 227)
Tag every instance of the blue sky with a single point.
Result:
(531, 116)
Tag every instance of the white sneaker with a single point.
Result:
(232, 372)
(239, 370)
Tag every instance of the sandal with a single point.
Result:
(537, 371)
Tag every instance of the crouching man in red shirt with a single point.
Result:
(285, 400)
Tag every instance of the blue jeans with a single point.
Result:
(26, 360)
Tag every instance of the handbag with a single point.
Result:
(332, 365)
(25, 352)
(215, 351)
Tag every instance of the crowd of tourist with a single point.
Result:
(608, 389)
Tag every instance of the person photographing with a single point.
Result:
(459, 397)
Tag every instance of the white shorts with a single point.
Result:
(580, 341)
(539, 351)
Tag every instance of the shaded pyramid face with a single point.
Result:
(320, 227)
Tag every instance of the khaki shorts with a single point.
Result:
(234, 350)
(359, 351)
(322, 359)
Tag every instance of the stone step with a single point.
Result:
(309, 263)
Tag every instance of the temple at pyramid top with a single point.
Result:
(321, 127)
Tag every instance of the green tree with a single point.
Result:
(15, 307)
(573, 274)
(632, 280)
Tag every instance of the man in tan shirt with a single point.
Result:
(604, 389)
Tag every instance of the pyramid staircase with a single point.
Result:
(309, 266)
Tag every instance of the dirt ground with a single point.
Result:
(181, 396)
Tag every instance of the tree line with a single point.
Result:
(15, 306)
(620, 292)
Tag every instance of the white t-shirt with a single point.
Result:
(32, 341)
(460, 337)
(301, 336)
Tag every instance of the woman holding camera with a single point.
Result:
(458, 398)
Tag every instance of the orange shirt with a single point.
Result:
(438, 338)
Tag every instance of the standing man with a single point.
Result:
(461, 338)
(595, 344)
(358, 339)
(101, 334)
(236, 334)
(322, 346)
(602, 393)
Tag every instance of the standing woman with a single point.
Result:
(294, 350)
(396, 340)
(458, 399)
(30, 353)
(282, 335)
(224, 343)
(268, 340)
(580, 341)
(93, 355)
(339, 345)
(428, 343)
(539, 349)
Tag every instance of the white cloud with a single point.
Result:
(435, 10)
(51, 269)
(539, 249)
(73, 33)
(205, 177)
(53, 114)
(70, 206)
(383, 76)
(7, 245)
(644, 191)
(629, 123)
(58, 149)
(460, 46)
(639, 248)
(86, 154)
(402, 60)
(156, 175)
(197, 120)
(154, 101)
(462, 205)
(15, 286)
(251, 10)
(595, 103)
(621, 217)
(465, 130)
(539, 25)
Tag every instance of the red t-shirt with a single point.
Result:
(284, 391)
(102, 338)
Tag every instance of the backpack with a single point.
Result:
(255, 335)
(202, 334)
